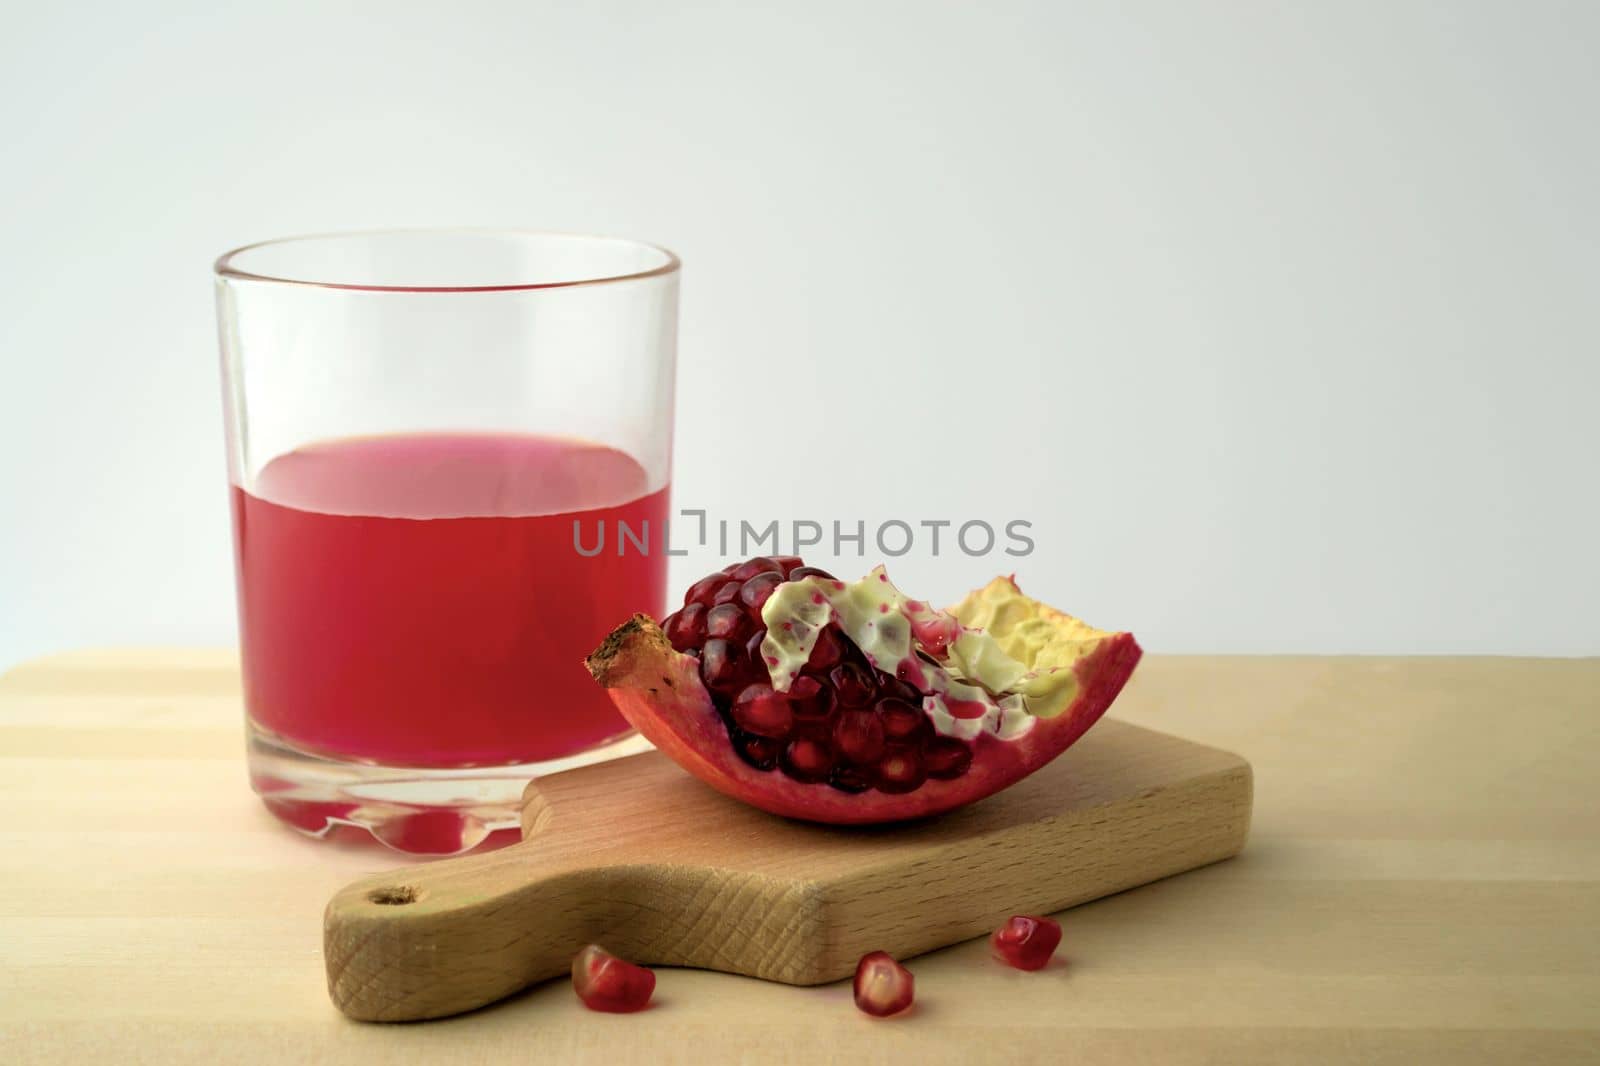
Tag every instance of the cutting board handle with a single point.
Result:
(438, 939)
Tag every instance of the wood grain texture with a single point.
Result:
(637, 855)
(1422, 885)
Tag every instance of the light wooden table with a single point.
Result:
(1422, 885)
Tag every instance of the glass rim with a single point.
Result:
(225, 268)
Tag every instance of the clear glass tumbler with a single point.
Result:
(428, 433)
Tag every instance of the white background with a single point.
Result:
(1278, 320)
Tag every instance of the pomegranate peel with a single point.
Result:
(868, 707)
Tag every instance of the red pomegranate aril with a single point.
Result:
(701, 591)
(727, 621)
(901, 770)
(687, 627)
(762, 711)
(755, 592)
(859, 737)
(852, 684)
(946, 758)
(607, 983)
(827, 651)
(728, 592)
(851, 779)
(721, 664)
(882, 986)
(752, 651)
(759, 752)
(1026, 941)
(809, 699)
(807, 760)
(902, 723)
(788, 563)
(761, 564)
(904, 690)
(809, 571)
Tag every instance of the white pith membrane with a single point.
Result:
(970, 684)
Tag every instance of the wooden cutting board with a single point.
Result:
(638, 856)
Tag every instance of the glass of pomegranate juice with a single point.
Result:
(450, 457)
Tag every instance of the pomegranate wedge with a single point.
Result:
(843, 702)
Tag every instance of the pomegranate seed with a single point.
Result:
(849, 779)
(946, 757)
(761, 564)
(1026, 942)
(720, 664)
(727, 622)
(809, 699)
(727, 592)
(755, 592)
(701, 591)
(852, 684)
(827, 651)
(901, 771)
(763, 712)
(686, 628)
(788, 563)
(859, 736)
(883, 987)
(807, 760)
(809, 571)
(605, 982)
(902, 690)
(759, 752)
(902, 723)
(752, 651)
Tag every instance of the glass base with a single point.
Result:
(413, 810)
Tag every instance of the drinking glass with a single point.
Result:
(450, 458)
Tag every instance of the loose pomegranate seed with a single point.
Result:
(720, 665)
(701, 591)
(901, 771)
(1026, 942)
(761, 564)
(859, 736)
(883, 987)
(727, 592)
(827, 651)
(605, 982)
(852, 684)
(687, 628)
(946, 757)
(807, 760)
(762, 711)
(727, 621)
(788, 563)
(809, 571)
(755, 592)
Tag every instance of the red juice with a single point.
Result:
(418, 600)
